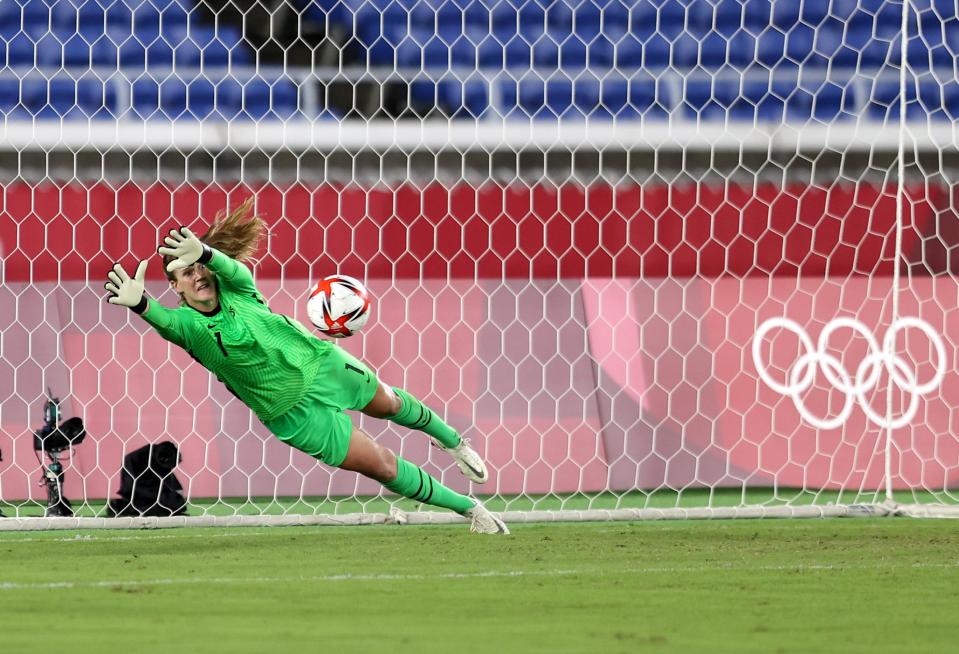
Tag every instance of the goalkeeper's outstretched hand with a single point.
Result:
(184, 246)
(125, 290)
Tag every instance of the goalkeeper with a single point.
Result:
(297, 385)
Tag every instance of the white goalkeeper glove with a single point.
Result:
(185, 247)
(125, 290)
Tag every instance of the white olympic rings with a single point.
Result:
(801, 375)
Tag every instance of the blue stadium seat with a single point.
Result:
(489, 52)
(732, 16)
(653, 53)
(823, 101)
(633, 99)
(9, 20)
(538, 99)
(77, 52)
(587, 100)
(384, 34)
(173, 99)
(68, 99)
(34, 17)
(19, 51)
(707, 100)
(669, 18)
(759, 102)
(684, 51)
(572, 53)
(10, 106)
(48, 51)
(455, 99)
(932, 100)
(800, 46)
(587, 20)
(145, 99)
(884, 102)
(226, 46)
(615, 15)
(505, 21)
(276, 99)
(947, 94)
(179, 99)
(786, 15)
(627, 52)
(518, 53)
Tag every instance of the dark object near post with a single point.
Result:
(148, 486)
(52, 439)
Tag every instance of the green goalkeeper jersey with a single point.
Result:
(264, 358)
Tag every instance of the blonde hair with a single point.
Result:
(236, 234)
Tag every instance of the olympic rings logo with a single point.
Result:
(801, 375)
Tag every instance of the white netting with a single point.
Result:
(663, 258)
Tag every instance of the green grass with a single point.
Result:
(858, 585)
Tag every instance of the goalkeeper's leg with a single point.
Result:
(368, 458)
(398, 406)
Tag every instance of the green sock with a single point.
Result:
(415, 484)
(414, 415)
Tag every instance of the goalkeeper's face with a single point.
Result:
(197, 286)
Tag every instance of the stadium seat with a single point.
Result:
(759, 102)
(706, 100)
(633, 99)
(933, 100)
(19, 51)
(668, 18)
(77, 53)
(537, 99)
(822, 101)
(271, 100)
(454, 99)
(655, 52)
(170, 100)
(34, 17)
(587, 21)
(10, 106)
(518, 53)
(616, 15)
(68, 99)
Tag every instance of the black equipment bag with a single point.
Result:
(148, 486)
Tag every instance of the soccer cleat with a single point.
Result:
(484, 522)
(468, 460)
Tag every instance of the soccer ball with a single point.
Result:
(339, 306)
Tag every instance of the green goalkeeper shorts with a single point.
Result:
(317, 424)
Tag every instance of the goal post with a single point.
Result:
(657, 259)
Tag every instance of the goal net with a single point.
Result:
(655, 258)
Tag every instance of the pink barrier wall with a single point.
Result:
(607, 383)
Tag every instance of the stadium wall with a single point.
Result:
(588, 337)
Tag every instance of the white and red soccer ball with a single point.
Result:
(339, 306)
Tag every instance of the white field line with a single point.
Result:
(11, 585)
(84, 538)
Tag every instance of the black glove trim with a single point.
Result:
(141, 305)
(207, 254)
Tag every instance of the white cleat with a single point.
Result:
(468, 460)
(484, 522)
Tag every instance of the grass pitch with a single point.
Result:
(858, 585)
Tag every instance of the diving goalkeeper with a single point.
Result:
(297, 384)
